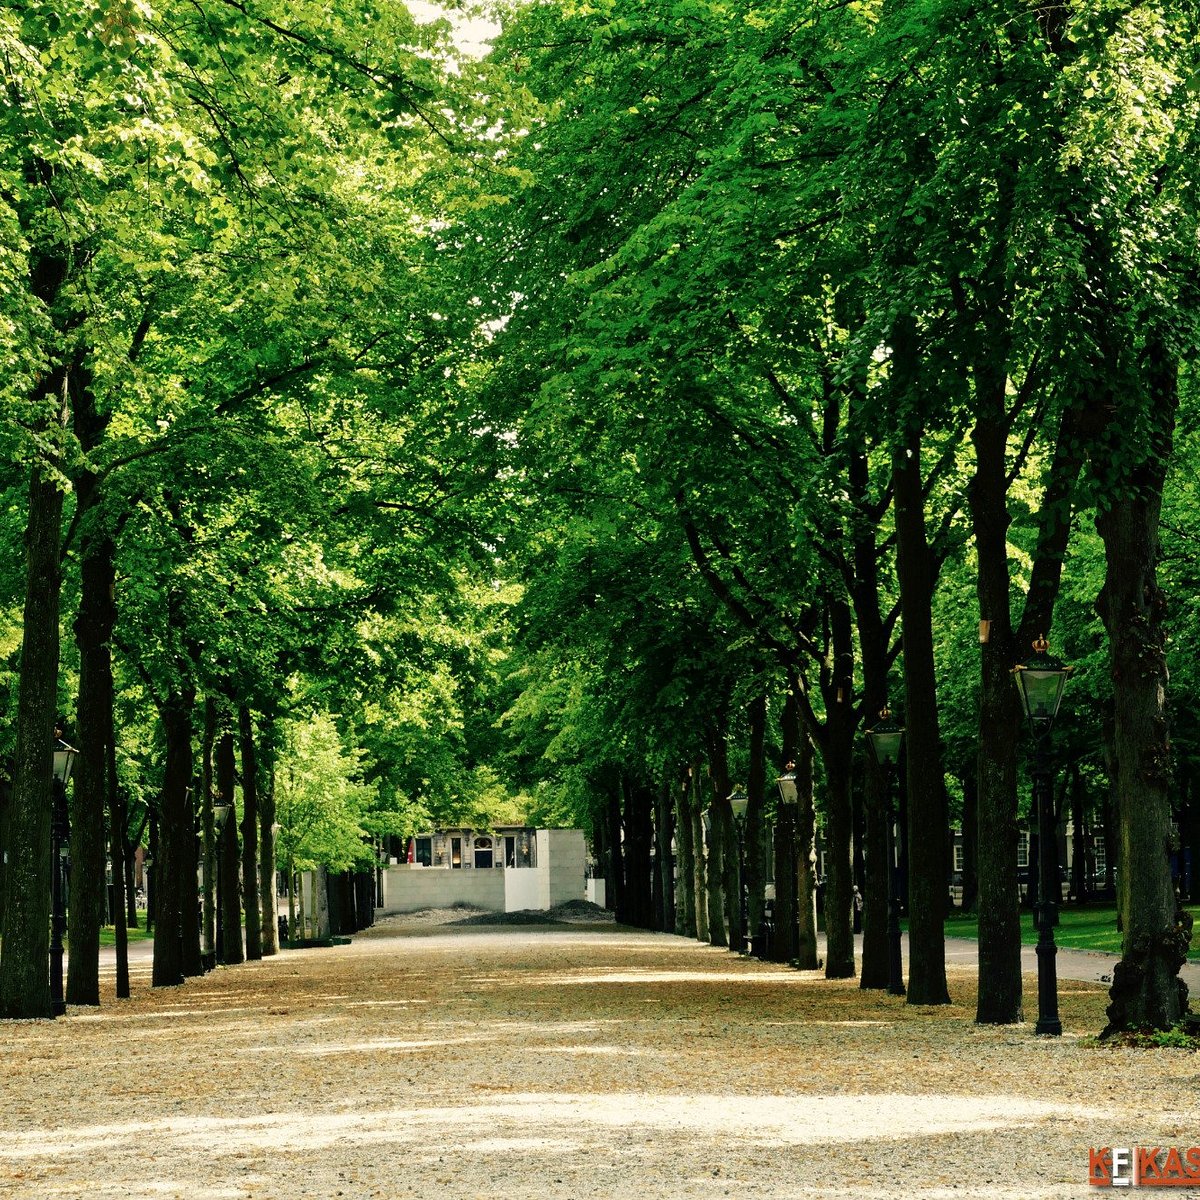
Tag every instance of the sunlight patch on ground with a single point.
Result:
(190, 1188)
(558, 1118)
(603, 1051)
(592, 977)
(379, 1044)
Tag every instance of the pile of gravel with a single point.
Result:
(525, 916)
(583, 911)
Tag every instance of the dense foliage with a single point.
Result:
(571, 434)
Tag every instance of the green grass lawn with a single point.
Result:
(108, 935)
(1090, 928)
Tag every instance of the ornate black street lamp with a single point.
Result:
(1041, 680)
(60, 829)
(789, 798)
(885, 738)
(739, 801)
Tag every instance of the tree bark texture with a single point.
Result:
(268, 902)
(231, 951)
(208, 836)
(250, 833)
(999, 999)
(1146, 990)
(664, 833)
(685, 890)
(89, 800)
(118, 822)
(927, 812)
(699, 859)
(719, 932)
(806, 858)
(25, 937)
(756, 787)
(639, 838)
(174, 870)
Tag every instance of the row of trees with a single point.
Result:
(871, 309)
(232, 427)
(640, 409)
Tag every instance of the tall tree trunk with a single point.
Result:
(685, 892)
(616, 856)
(756, 786)
(118, 820)
(999, 998)
(664, 832)
(250, 834)
(1146, 990)
(208, 837)
(174, 891)
(268, 903)
(806, 858)
(699, 858)
(93, 631)
(927, 813)
(839, 936)
(638, 898)
(25, 938)
(719, 841)
(230, 952)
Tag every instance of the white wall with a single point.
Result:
(408, 888)
(523, 888)
(565, 852)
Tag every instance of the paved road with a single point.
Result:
(1072, 964)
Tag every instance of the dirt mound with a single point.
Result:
(582, 910)
(525, 916)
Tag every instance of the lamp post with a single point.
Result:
(885, 738)
(739, 801)
(789, 797)
(1041, 680)
(60, 829)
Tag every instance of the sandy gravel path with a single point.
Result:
(568, 1062)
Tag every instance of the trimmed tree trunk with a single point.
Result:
(756, 786)
(927, 815)
(89, 801)
(806, 858)
(250, 834)
(1146, 990)
(174, 891)
(208, 837)
(664, 830)
(685, 892)
(25, 938)
(718, 843)
(230, 951)
(699, 859)
(268, 901)
(118, 820)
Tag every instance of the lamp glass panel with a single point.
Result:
(739, 802)
(885, 744)
(64, 761)
(1042, 692)
(788, 792)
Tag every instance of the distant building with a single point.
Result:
(508, 869)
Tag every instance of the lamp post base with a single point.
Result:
(1047, 953)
